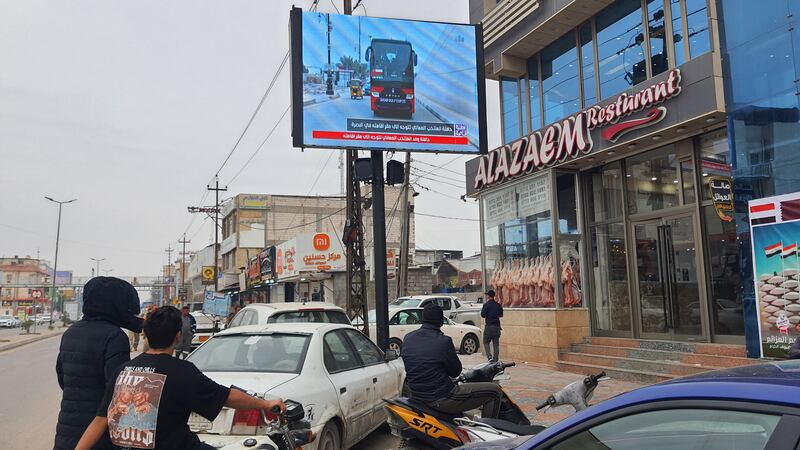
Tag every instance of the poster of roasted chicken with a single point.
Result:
(133, 411)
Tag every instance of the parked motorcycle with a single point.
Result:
(576, 394)
(417, 422)
(282, 431)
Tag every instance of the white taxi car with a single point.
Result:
(339, 376)
(402, 321)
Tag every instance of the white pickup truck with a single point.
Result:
(468, 315)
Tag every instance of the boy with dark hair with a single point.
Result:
(148, 403)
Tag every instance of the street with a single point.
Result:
(31, 396)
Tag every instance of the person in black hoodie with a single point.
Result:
(91, 349)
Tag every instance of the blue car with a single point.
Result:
(749, 407)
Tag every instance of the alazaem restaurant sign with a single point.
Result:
(571, 137)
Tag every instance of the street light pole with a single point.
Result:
(55, 260)
(96, 260)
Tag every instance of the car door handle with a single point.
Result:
(342, 390)
(374, 380)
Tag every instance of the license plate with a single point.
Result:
(203, 338)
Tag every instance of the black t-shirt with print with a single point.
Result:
(149, 399)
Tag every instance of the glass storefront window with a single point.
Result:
(677, 31)
(714, 158)
(724, 274)
(587, 62)
(651, 179)
(697, 23)
(509, 89)
(687, 175)
(567, 202)
(560, 78)
(609, 267)
(518, 240)
(570, 274)
(659, 62)
(620, 47)
(604, 188)
(533, 93)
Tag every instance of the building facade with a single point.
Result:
(635, 132)
(23, 282)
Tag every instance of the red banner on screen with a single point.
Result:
(389, 137)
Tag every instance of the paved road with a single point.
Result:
(30, 397)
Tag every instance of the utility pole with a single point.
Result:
(97, 260)
(405, 215)
(354, 237)
(55, 261)
(217, 190)
(329, 82)
(182, 288)
(168, 270)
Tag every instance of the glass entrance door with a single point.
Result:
(667, 274)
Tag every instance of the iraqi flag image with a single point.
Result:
(789, 250)
(774, 249)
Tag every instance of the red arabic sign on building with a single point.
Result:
(571, 137)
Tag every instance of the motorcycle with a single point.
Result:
(414, 421)
(282, 431)
(576, 394)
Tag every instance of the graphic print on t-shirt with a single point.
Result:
(133, 411)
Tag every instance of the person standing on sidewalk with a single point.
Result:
(91, 350)
(188, 328)
(492, 312)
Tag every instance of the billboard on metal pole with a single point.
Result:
(387, 84)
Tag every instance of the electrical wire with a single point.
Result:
(461, 174)
(335, 7)
(442, 165)
(446, 217)
(261, 145)
(440, 179)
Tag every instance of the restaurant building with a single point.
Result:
(635, 132)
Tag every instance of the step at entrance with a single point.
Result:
(646, 361)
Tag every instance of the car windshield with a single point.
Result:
(406, 302)
(276, 353)
(316, 316)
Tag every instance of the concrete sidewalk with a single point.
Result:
(531, 384)
(13, 341)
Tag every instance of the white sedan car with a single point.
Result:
(339, 376)
(402, 321)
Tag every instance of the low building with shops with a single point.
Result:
(627, 127)
(23, 282)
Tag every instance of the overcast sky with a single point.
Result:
(131, 107)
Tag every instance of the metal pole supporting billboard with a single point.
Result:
(379, 252)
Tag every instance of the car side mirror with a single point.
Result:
(390, 355)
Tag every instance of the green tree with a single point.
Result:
(359, 69)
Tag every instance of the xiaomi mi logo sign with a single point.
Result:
(322, 242)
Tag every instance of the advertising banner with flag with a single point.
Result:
(775, 231)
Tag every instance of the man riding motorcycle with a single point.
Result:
(431, 362)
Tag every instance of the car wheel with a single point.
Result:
(329, 439)
(469, 344)
(395, 344)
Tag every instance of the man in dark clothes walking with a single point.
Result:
(492, 312)
(431, 362)
(91, 349)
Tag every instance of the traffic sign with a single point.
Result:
(36, 293)
(209, 274)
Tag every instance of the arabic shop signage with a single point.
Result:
(571, 137)
(318, 252)
(722, 196)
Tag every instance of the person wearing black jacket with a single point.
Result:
(91, 349)
(492, 312)
(431, 362)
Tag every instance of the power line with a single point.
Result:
(319, 175)
(442, 165)
(261, 145)
(446, 217)
(440, 179)
(461, 174)
(335, 7)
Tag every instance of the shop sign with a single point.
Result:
(571, 137)
(722, 196)
(253, 201)
(209, 274)
(775, 231)
(266, 259)
(8, 304)
(533, 197)
(24, 302)
(253, 270)
(320, 252)
(285, 264)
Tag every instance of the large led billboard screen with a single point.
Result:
(373, 83)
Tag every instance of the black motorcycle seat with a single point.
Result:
(425, 408)
(504, 425)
